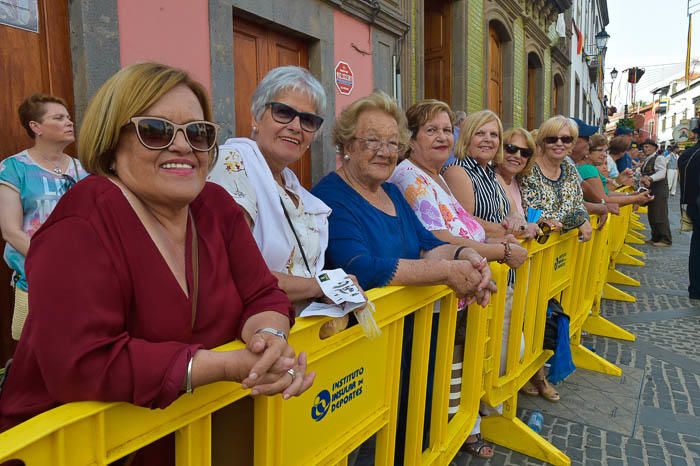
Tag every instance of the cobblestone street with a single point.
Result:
(649, 416)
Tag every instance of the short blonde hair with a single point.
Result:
(529, 140)
(552, 126)
(471, 125)
(127, 94)
(346, 123)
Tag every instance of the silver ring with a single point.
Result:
(292, 373)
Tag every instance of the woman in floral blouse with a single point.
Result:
(552, 184)
(418, 177)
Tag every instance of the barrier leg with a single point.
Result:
(619, 278)
(626, 259)
(636, 234)
(610, 292)
(630, 251)
(193, 443)
(587, 359)
(509, 431)
(637, 225)
(633, 239)
(598, 325)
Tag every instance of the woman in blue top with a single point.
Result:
(31, 183)
(373, 232)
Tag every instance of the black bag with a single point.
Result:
(554, 313)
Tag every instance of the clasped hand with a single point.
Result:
(265, 365)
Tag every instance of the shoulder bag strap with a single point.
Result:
(75, 166)
(296, 237)
(195, 268)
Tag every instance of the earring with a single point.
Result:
(346, 157)
(255, 128)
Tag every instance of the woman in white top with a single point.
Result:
(289, 224)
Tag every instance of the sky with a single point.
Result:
(650, 34)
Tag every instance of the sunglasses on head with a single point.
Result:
(282, 113)
(158, 133)
(513, 149)
(563, 139)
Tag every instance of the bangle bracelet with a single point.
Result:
(459, 250)
(506, 252)
(188, 378)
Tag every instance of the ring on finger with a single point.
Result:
(293, 373)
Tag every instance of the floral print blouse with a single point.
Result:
(436, 208)
(560, 199)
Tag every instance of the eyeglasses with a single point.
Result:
(512, 149)
(563, 139)
(158, 133)
(282, 113)
(373, 145)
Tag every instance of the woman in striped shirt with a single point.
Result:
(472, 177)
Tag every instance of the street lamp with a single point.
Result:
(601, 39)
(613, 74)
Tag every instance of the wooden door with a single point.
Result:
(556, 91)
(29, 62)
(438, 53)
(257, 50)
(495, 86)
(531, 93)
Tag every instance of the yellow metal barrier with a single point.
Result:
(356, 393)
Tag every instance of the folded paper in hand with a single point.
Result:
(339, 288)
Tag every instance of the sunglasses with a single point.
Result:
(563, 139)
(512, 149)
(282, 113)
(546, 230)
(158, 133)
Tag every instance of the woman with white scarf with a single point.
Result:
(289, 224)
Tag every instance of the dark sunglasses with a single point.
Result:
(282, 113)
(158, 133)
(512, 149)
(563, 139)
(546, 231)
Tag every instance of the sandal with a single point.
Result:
(547, 391)
(529, 389)
(476, 448)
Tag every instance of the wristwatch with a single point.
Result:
(272, 331)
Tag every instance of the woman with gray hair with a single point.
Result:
(289, 224)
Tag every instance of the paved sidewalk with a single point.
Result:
(651, 415)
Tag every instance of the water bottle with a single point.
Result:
(535, 422)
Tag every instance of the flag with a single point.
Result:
(579, 39)
(687, 53)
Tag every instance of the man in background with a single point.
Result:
(654, 178)
(689, 171)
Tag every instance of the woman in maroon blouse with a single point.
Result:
(144, 267)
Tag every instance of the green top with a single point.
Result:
(590, 171)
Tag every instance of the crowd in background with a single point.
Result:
(143, 266)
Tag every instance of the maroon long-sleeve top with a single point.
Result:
(108, 320)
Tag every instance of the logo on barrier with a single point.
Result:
(560, 261)
(321, 403)
(344, 391)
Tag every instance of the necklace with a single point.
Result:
(378, 202)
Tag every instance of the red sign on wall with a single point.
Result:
(344, 79)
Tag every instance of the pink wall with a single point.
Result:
(175, 32)
(348, 32)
